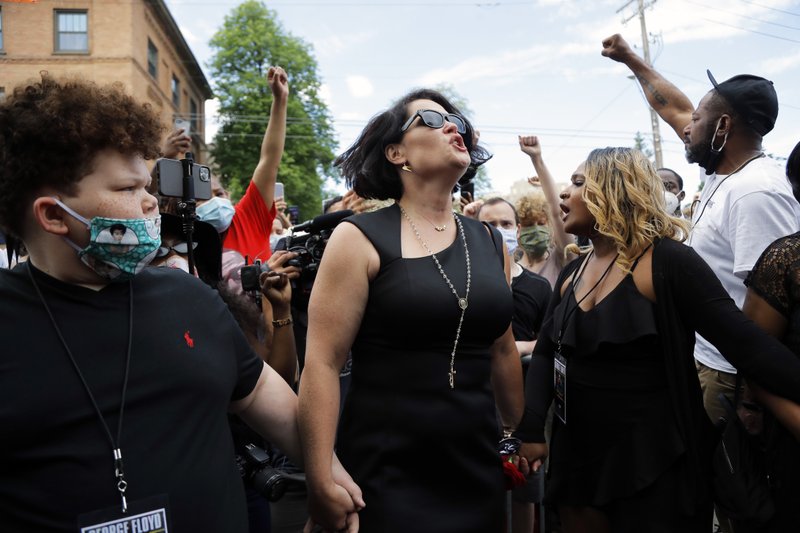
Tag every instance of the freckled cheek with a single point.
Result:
(122, 206)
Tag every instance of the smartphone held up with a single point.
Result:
(183, 124)
(170, 179)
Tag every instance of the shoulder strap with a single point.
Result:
(635, 263)
(497, 240)
(382, 229)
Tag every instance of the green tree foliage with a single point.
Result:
(640, 143)
(251, 40)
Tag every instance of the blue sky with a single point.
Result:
(531, 67)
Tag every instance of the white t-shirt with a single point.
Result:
(736, 220)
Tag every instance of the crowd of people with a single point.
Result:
(564, 362)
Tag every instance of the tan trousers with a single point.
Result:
(712, 383)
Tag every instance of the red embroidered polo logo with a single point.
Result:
(189, 340)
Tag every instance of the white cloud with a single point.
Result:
(678, 20)
(336, 42)
(325, 94)
(778, 65)
(190, 37)
(352, 115)
(212, 119)
(508, 66)
(705, 20)
(359, 86)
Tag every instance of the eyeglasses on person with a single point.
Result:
(179, 247)
(434, 119)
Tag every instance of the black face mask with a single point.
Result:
(713, 155)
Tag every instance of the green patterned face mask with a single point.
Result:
(535, 240)
(118, 248)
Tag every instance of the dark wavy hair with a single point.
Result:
(52, 130)
(364, 165)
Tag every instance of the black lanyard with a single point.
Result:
(122, 485)
(566, 315)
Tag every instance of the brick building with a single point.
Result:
(135, 42)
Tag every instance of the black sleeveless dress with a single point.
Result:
(620, 436)
(423, 454)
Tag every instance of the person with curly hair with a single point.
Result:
(116, 379)
(631, 443)
(422, 296)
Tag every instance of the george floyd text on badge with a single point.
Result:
(150, 522)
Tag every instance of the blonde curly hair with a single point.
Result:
(532, 210)
(626, 197)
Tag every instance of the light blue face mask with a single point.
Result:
(119, 248)
(218, 212)
(510, 238)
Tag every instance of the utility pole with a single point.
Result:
(646, 47)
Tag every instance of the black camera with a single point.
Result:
(251, 274)
(309, 246)
(309, 249)
(254, 465)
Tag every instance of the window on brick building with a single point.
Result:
(193, 116)
(1, 28)
(72, 31)
(176, 92)
(152, 59)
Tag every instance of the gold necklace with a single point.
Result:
(437, 228)
(463, 303)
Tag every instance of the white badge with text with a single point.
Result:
(143, 516)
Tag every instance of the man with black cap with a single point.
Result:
(746, 201)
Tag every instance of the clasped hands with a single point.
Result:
(333, 506)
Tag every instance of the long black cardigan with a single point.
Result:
(689, 299)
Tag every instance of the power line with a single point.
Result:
(770, 8)
(617, 97)
(748, 17)
(751, 31)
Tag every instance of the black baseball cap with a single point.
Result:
(754, 99)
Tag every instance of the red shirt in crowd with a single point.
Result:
(251, 226)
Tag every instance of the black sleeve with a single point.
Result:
(497, 240)
(539, 381)
(219, 319)
(771, 276)
(705, 305)
(531, 296)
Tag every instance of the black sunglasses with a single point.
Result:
(434, 119)
(180, 248)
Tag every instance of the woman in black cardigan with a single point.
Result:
(631, 443)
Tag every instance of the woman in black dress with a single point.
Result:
(631, 443)
(421, 296)
(773, 302)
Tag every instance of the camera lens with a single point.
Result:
(269, 483)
